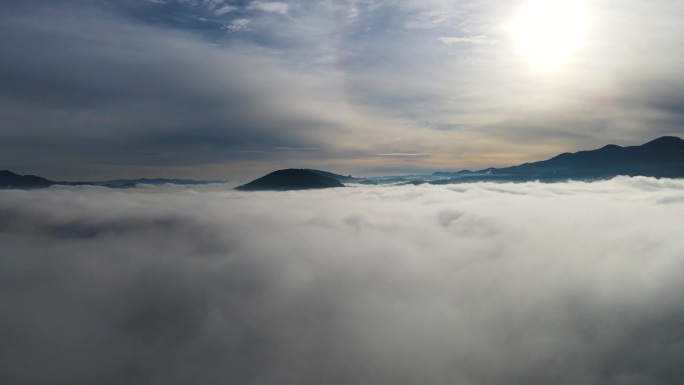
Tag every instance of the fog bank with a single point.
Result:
(568, 283)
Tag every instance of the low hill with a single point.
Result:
(291, 179)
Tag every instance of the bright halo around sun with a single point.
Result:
(547, 32)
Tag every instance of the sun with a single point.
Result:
(547, 32)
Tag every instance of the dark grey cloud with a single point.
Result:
(482, 284)
(93, 87)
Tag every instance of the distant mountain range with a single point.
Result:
(124, 183)
(9, 179)
(662, 157)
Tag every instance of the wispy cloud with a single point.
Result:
(340, 76)
(400, 154)
(480, 39)
(225, 9)
(297, 148)
(238, 25)
(274, 7)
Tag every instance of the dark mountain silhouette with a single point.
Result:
(662, 157)
(8, 179)
(449, 173)
(291, 179)
(125, 183)
(341, 178)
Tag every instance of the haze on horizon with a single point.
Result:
(217, 89)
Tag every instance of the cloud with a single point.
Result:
(238, 25)
(418, 154)
(480, 39)
(92, 88)
(297, 148)
(127, 94)
(273, 6)
(473, 283)
(225, 9)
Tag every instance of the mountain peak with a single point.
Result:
(664, 141)
(610, 147)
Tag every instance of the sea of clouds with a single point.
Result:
(567, 283)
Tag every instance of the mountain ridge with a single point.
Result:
(660, 157)
(9, 179)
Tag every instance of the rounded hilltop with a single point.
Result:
(291, 179)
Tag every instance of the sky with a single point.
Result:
(231, 90)
(478, 284)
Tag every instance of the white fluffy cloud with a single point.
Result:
(463, 284)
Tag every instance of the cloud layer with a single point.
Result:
(463, 284)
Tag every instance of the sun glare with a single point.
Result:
(547, 32)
